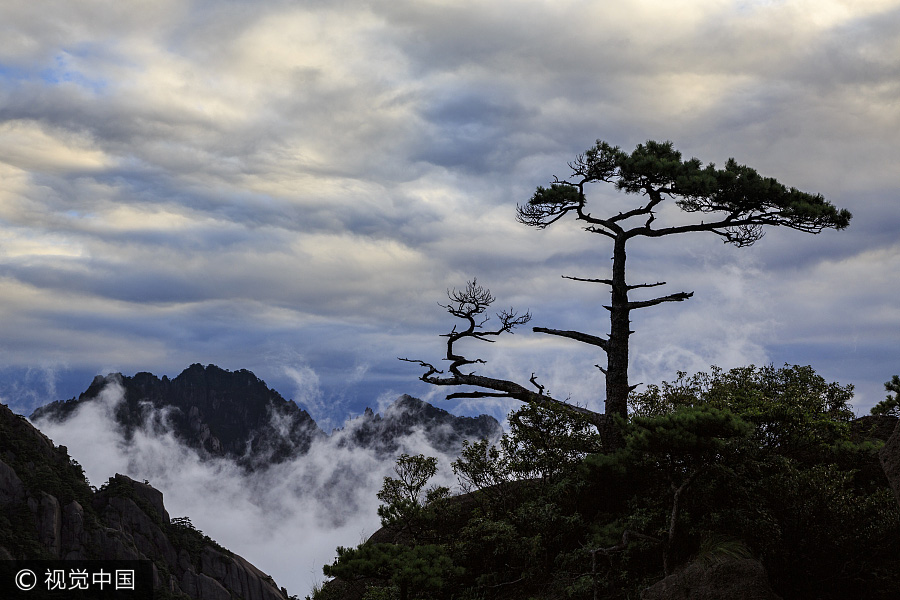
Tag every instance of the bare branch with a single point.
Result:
(608, 234)
(540, 388)
(679, 297)
(575, 335)
(606, 281)
(466, 304)
(457, 395)
(646, 285)
(508, 389)
(655, 198)
(432, 370)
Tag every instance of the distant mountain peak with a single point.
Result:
(443, 430)
(218, 412)
(234, 414)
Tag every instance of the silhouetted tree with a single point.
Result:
(735, 203)
(891, 404)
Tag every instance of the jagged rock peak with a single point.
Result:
(443, 430)
(219, 412)
(234, 414)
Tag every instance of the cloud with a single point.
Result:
(287, 520)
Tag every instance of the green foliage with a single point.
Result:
(184, 536)
(747, 463)
(795, 412)
(717, 549)
(687, 431)
(547, 442)
(382, 593)
(738, 193)
(406, 500)
(736, 189)
(890, 405)
(544, 443)
(421, 569)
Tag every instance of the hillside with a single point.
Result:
(50, 512)
(754, 483)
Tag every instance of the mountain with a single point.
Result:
(234, 414)
(444, 431)
(48, 511)
(221, 413)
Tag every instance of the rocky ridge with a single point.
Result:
(48, 511)
(234, 414)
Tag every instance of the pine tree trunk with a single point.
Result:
(617, 387)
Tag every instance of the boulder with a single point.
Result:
(238, 575)
(48, 520)
(743, 578)
(151, 495)
(72, 532)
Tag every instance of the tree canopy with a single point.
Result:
(758, 464)
(741, 201)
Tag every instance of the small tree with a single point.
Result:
(405, 497)
(735, 203)
(424, 568)
(890, 405)
(405, 563)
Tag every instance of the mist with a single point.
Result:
(287, 519)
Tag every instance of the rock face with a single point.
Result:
(223, 413)
(743, 578)
(235, 415)
(48, 511)
(441, 429)
(890, 460)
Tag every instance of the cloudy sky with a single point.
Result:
(291, 187)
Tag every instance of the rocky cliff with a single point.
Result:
(48, 511)
(221, 413)
(234, 414)
(444, 431)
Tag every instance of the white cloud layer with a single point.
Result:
(286, 520)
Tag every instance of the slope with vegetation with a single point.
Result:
(750, 483)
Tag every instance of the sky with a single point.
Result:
(292, 188)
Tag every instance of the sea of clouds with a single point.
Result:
(287, 519)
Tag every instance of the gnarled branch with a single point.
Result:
(467, 304)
